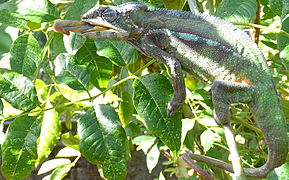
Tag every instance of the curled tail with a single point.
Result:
(269, 116)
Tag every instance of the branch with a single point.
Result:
(236, 160)
(204, 174)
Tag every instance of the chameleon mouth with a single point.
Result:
(84, 26)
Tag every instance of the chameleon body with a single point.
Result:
(212, 50)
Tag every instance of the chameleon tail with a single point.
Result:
(260, 172)
(269, 116)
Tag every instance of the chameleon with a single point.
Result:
(207, 47)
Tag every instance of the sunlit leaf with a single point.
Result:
(187, 124)
(152, 158)
(52, 164)
(41, 89)
(70, 141)
(174, 4)
(126, 107)
(68, 152)
(208, 137)
(60, 172)
(50, 133)
(144, 142)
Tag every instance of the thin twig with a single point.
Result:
(257, 21)
(73, 102)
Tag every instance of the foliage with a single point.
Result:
(48, 81)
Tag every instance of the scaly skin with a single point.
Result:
(211, 49)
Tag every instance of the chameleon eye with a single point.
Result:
(109, 14)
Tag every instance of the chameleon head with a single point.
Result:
(106, 22)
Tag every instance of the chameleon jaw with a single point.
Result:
(84, 26)
(100, 25)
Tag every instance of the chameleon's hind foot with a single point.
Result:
(223, 116)
(224, 93)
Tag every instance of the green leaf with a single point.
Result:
(279, 7)
(13, 19)
(283, 41)
(126, 107)
(174, 4)
(78, 8)
(3, 1)
(103, 141)
(33, 10)
(152, 158)
(281, 172)
(1, 111)
(6, 40)
(50, 133)
(60, 172)
(73, 42)
(72, 95)
(151, 95)
(52, 164)
(68, 152)
(18, 90)
(66, 72)
(206, 139)
(41, 89)
(99, 67)
(237, 11)
(144, 142)
(57, 45)
(70, 141)
(25, 55)
(187, 124)
(190, 141)
(132, 129)
(284, 55)
(19, 149)
(120, 53)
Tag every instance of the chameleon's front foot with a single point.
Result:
(174, 105)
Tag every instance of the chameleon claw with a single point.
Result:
(173, 106)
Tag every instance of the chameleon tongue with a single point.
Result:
(64, 26)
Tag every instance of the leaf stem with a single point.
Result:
(144, 66)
